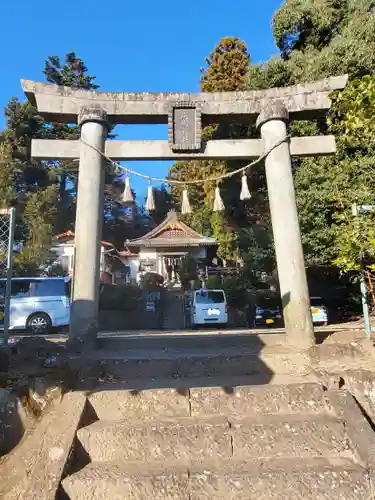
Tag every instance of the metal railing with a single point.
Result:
(7, 225)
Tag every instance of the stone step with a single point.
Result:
(187, 400)
(187, 438)
(199, 363)
(288, 479)
(188, 340)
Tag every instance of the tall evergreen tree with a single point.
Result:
(226, 70)
(318, 40)
(44, 192)
(72, 72)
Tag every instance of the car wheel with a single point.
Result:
(39, 323)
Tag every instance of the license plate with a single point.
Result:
(213, 312)
(316, 311)
(269, 321)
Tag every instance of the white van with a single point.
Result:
(209, 307)
(38, 304)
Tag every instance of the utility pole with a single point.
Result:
(356, 211)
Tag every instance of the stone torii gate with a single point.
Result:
(185, 114)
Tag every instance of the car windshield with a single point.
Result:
(29, 287)
(209, 297)
(316, 302)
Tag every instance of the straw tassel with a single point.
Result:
(127, 195)
(245, 192)
(150, 202)
(185, 205)
(218, 202)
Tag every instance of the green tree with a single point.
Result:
(44, 193)
(7, 175)
(163, 203)
(72, 73)
(226, 69)
(27, 182)
(188, 272)
(318, 40)
(325, 38)
(352, 120)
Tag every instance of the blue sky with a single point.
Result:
(129, 46)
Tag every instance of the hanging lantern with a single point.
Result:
(245, 192)
(218, 202)
(150, 202)
(127, 195)
(185, 205)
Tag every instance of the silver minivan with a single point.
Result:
(209, 307)
(38, 304)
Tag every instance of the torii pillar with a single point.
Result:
(272, 122)
(88, 227)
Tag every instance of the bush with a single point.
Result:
(213, 282)
(119, 298)
(237, 292)
(152, 282)
(188, 272)
(197, 284)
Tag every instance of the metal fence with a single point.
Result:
(7, 224)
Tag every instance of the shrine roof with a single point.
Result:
(67, 238)
(172, 232)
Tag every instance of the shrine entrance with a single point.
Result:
(186, 114)
(163, 249)
(171, 266)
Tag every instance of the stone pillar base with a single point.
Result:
(84, 339)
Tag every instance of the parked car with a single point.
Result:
(38, 304)
(272, 316)
(208, 307)
(268, 316)
(319, 311)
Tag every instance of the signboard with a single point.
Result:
(358, 209)
(153, 296)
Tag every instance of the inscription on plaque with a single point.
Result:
(185, 128)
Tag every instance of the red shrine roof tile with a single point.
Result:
(70, 235)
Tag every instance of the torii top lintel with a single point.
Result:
(62, 104)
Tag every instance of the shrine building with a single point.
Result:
(162, 249)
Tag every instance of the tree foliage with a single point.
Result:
(226, 69)
(353, 115)
(322, 38)
(352, 120)
(318, 40)
(44, 193)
